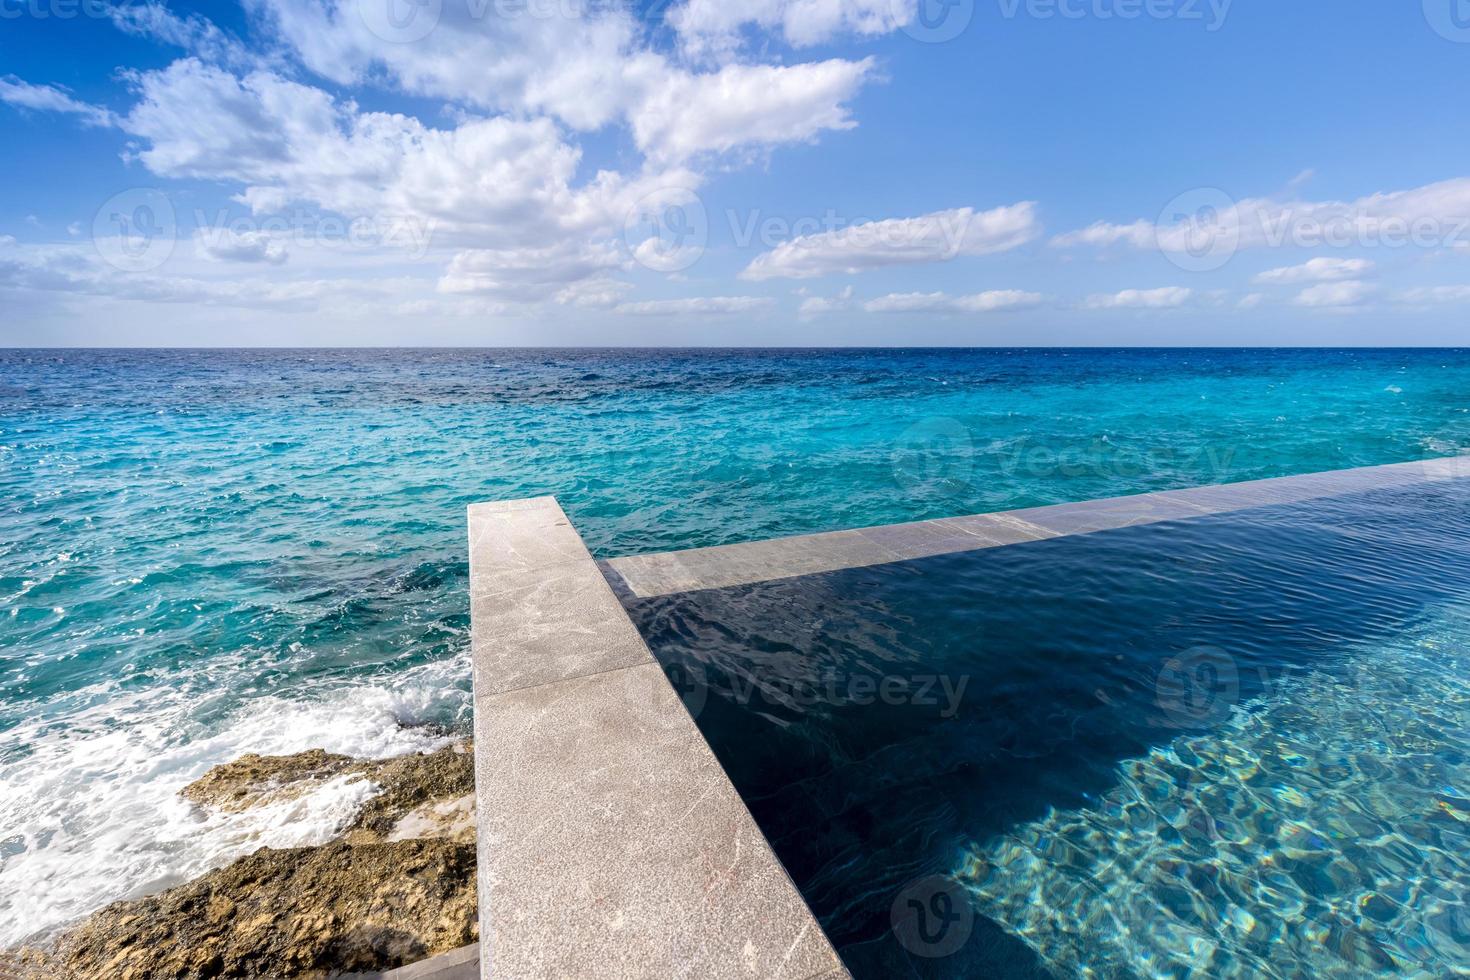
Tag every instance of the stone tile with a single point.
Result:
(1102, 515)
(744, 564)
(654, 575)
(613, 845)
(536, 627)
(519, 535)
(922, 539)
(998, 529)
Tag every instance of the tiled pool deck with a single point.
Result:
(611, 842)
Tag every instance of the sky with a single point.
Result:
(711, 172)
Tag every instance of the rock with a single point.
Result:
(252, 780)
(415, 783)
(306, 913)
(434, 788)
(397, 886)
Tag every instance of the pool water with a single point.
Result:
(1233, 746)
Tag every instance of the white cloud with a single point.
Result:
(1169, 297)
(1435, 215)
(195, 34)
(586, 64)
(696, 306)
(1318, 270)
(1433, 295)
(935, 237)
(77, 270)
(987, 302)
(713, 27)
(594, 294)
(528, 274)
(223, 245)
(815, 306)
(1250, 301)
(50, 98)
(493, 183)
(1335, 294)
(746, 105)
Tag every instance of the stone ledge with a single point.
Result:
(667, 573)
(611, 842)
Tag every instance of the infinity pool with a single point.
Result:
(1231, 746)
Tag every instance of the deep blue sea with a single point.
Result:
(207, 553)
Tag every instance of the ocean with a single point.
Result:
(208, 553)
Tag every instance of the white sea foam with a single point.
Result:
(90, 810)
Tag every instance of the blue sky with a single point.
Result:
(343, 172)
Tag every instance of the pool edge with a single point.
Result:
(671, 572)
(611, 841)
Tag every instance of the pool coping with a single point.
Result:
(722, 566)
(611, 841)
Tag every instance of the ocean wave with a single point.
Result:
(91, 807)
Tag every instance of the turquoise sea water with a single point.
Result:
(208, 553)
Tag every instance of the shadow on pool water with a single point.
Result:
(1232, 744)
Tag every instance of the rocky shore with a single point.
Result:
(396, 886)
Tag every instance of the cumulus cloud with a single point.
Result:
(935, 237)
(1165, 298)
(1318, 270)
(815, 306)
(1434, 295)
(50, 98)
(192, 32)
(697, 306)
(495, 183)
(75, 270)
(224, 245)
(528, 274)
(1335, 294)
(987, 302)
(589, 66)
(1435, 215)
(746, 105)
(714, 27)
